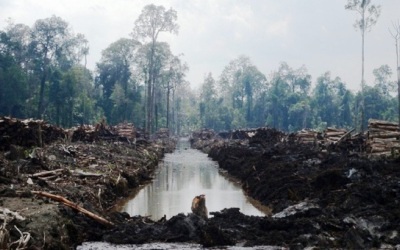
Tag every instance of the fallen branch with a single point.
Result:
(81, 173)
(74, 206)
(47, 173)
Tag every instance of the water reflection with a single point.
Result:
(181, 176)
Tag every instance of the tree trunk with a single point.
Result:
(156, 117)
(41, 96)
(168, 93)
(148, 106)
(362, 73)
(398, 72)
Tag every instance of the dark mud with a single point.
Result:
(318, 198)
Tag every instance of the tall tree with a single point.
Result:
(240, 84)
(382, 79)
(173, 77)
(115, 68)
(369, 15)
(12, 79)
(151, 22)
(52, 44)
(396, 36)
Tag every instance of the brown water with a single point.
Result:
(181, 176)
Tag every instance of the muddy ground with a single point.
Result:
(322, 199)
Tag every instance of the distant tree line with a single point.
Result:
(43, 75)
(244, 97)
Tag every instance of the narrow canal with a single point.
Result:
(181, 176)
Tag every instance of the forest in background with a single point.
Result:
(43, 75)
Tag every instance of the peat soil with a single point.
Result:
(321, 199)
(335, 198)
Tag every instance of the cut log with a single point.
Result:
(380, 122)
(74, 206)
(335, 129)
(383, 140)
(330, 134)
(383, 128)
(376, 149)
(385, 135)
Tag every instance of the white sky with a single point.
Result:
(316, 33)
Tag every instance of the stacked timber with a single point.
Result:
(335, 135)
(27, 133)
(383, 137)
(307, 136)
(126, 130)
(89, 133)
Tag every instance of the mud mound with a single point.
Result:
(328, 199)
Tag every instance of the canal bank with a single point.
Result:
(323, 200)
(334, 198)
(182, 175)
(61, 193)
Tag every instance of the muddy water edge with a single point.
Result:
(181, 176)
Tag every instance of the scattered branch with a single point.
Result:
(74, 206)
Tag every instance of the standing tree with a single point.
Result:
(396, 35)
(172, 78)
(52, 44)
(240, 84)
(115, 69)
(369, 16)
(152, 21)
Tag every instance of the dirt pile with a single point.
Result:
(326, 198)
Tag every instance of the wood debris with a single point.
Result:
(383, 138)
(27, 133)
(307, 136)
(74, 206)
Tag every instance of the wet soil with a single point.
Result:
(322, 199)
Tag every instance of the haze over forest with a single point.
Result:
(216, 64)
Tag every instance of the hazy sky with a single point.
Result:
(316, 33)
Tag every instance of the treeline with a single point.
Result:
(43, 75)
(244, 97)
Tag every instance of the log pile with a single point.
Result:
(27, 133)
(307, 136)
(126, 130)
(335, 135)
(383, 138)
(89, 133)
